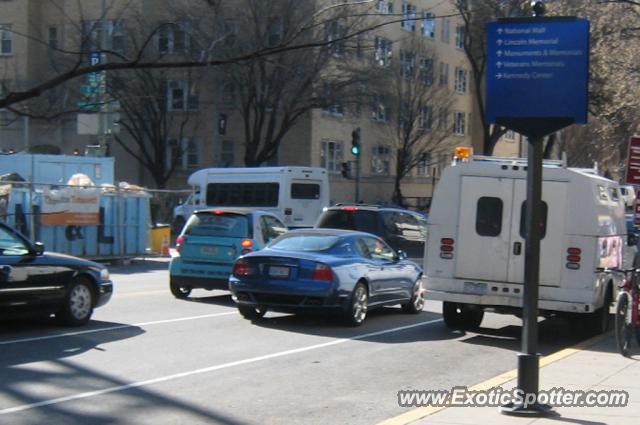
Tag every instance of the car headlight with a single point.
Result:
(104, 275)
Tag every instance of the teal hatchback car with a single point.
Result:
(210, 243)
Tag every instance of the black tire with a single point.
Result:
(179, 291)
(600, 321)
(623, 329)
(177, 225)
(78, 303)
(250, 312)
(358, 306)
(461, 316)
(416, 304)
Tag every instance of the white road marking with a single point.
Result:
(113, 328)
(208, 369)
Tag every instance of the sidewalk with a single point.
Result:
(594, 365)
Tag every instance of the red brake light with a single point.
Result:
(179, 241)
(246, 243)
(322, 272)
(573, 258)
(574, 251)
(446, 241)
(217, 212)
(446, 248)
(242, 268)
(350, 209)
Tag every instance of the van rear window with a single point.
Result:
(218, 225)
(305, 191)
(543, 219)
(489, 216)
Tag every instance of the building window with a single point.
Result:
(510, 135)
(53, 37)
(407, 64)
(460, 37)
(382, 52)
(459, 123)
(409, 13)
(379, 109)
(228, 94)
(445, 30)
(422, 169)
(426, 71)
(179, 96)
(384, 7)
(227, 153)
(425, 118)
(334, 31)
(380, 160)
(115, 35)
(428, 24)
(331, 156)
(332, 105)
(461, 80)
(444, 74)
(184, 153)
(174, 37)
(6, 34)
(275, 31)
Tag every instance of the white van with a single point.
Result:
(475, 249)
(296, 195)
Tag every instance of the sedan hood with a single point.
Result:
(70, 259)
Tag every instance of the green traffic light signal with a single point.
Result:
(355, 142)
(355, 150)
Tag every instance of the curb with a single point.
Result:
(422, 412)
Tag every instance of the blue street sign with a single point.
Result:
(537, 68)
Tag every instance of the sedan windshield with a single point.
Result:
(304, 242)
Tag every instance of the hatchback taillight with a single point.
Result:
(242, 268)
(322, 272)
(179, 241)
(446, 248)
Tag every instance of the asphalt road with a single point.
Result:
(147, 358)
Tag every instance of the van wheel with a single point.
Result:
(179, 291)
(600, 321)
(461, 316)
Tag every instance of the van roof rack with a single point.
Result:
(560, 163)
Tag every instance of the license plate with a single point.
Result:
(209, 250)
(277, 271)
(476, 288)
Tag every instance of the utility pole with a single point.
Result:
(104, 130)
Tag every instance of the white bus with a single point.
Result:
(295, 194)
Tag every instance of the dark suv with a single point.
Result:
(401, 229)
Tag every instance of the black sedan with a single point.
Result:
(34, 281)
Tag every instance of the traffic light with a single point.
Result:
(345, 169)
(355, 142)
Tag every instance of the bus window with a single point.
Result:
(305, 191)
(243, 194)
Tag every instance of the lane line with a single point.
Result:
(113, 328)
(422, 412)
(210, 369)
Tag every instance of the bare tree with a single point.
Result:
(423, 104)
(475, 16)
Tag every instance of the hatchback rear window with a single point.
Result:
(363, 221)
(223, 225)
(304, 242)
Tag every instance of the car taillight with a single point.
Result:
(242, 268)
(179, 241)
(322, 272)
(446, 248)
(573, 258)
(350, 209)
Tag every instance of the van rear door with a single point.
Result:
(490, 244)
